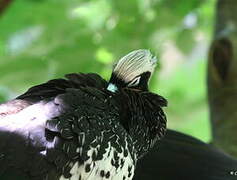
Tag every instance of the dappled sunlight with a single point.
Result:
(91, 13)
(23, 39)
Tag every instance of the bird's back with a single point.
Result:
(65, 128)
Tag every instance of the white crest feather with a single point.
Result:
(134, 64)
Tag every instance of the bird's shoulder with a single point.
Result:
(51, 89)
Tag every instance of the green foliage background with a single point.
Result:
(45, 39)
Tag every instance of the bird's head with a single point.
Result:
(133, 71)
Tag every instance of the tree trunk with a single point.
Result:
(222, 77)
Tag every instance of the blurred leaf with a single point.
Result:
(104, 56)
(182, 7)
(185, 40)
(94, 13)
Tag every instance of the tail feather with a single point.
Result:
(181, 157)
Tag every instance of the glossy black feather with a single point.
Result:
(181, 157)
(58, 86)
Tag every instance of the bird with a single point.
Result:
(83, 127)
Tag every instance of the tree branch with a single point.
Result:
(4, 4)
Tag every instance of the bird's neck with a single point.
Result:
(137, 120)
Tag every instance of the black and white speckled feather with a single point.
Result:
(80, 127)
(92, 137)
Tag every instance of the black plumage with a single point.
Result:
(182, 157)
(80, 128)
